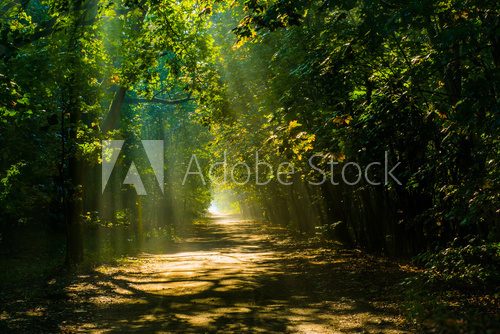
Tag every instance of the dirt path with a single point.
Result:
(229, 276)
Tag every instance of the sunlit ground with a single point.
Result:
(229, 276)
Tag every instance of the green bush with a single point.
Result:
(473, 265)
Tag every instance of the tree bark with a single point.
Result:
(113, 117)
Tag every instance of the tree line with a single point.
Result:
(345, 81)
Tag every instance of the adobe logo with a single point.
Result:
(110, 153)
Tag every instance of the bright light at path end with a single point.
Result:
(213, 209)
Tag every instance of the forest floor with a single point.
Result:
(224, 275)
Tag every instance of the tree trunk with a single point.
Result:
(74, 245)
(74, 198)
(113, 117)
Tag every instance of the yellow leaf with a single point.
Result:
(293, 124)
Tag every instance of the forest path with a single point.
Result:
(234, 276)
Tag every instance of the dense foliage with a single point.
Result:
(414, 83)
(74, 73)
(352, 81)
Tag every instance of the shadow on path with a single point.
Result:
(234, 276)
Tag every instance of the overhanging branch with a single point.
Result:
(159, 101)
